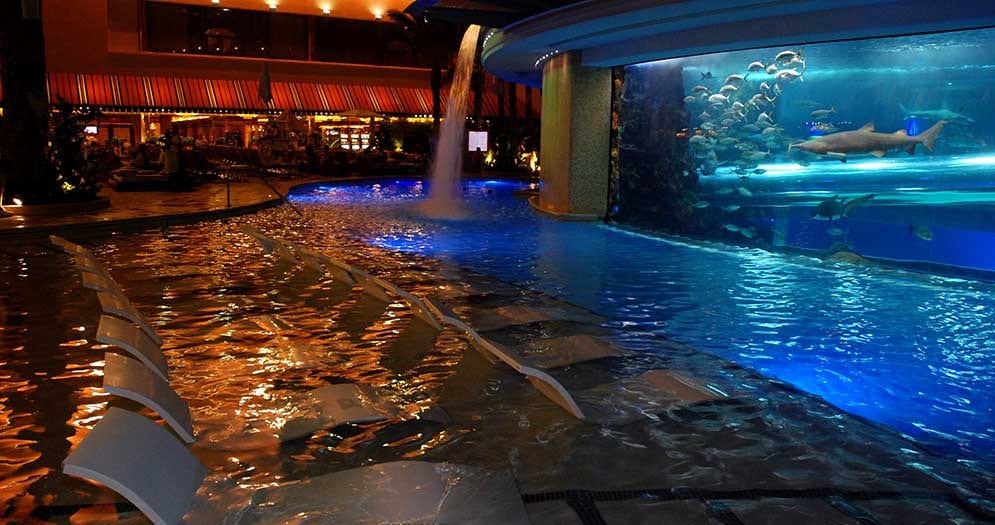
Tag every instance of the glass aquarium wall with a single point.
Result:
(873, 149)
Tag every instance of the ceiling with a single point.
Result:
(355, 9)
(489, 13)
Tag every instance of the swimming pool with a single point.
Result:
(910, 351)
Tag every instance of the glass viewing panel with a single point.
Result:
(870, 149)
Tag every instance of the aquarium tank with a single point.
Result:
(878, 150)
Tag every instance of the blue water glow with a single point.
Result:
(911, 351)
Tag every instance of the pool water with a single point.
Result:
(911, 351)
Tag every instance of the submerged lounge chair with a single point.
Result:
(140, 460)
(126, 336)
(131, 379)
(147, 465)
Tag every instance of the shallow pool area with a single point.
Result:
(245, 331)
(911, 351)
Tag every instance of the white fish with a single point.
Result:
(704, 115)
(724, 191)
(730, 208)
(834, 232)
(771, 69)
(736, 106)
(797, 61)
(728, 89)
(764, 120)
(734, 78)
(755, 66)
(822, 113)
(744, 192)
(718, 99)
(788, 75)
(731, 227)
(769, 130)
(764, 86)
(698, 139)
(784, 56)
(700, 204)
(689, 99)
(699, 89)
(749, 233)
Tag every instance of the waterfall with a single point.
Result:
(445, 194)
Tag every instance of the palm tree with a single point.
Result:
(432, 41)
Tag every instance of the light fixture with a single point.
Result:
(377, 13)
(272, 5)
(326, 9)
(215, 2)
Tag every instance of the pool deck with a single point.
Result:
(147, 208)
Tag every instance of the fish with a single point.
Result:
(736, 106)
(764, 86)
(718, 99)
(728, 88)
(771, 69)
(852, 204)
(706, 75)
(756, 155)
(751, 128)
(834, 232)
(724, 191)
(789, 75)
(823, 113)
(866, 140)
(764, 118)
(824, 127)
(731, 227)
(923, 232)
(730, 208)
(698, 139)
(769, 130)
(785, 56)
(699, 89)
(935, 115)
(759, 171)
(755, 66)
(749, 233)
(744, 192)
(735, 78)
(836, 207)
(700, 204)
(689, 99)
(796, 61)
(829, 209)
(726, 141)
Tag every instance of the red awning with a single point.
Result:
(149, 93)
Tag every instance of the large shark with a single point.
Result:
(866, 140)
(936, 115)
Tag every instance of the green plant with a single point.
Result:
(74, 178)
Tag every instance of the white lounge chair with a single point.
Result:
(140, 460)
(542, 381)
(130, 338)
(121, 307)
(131, 379)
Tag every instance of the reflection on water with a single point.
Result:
(245, 332)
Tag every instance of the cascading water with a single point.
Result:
(447, 166)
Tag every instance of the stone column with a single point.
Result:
(576, 116)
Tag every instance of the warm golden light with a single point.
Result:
(272, 5)
(326, 9)
(377, 12)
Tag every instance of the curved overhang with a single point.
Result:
(618, 32)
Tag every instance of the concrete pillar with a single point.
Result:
(576, 116)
